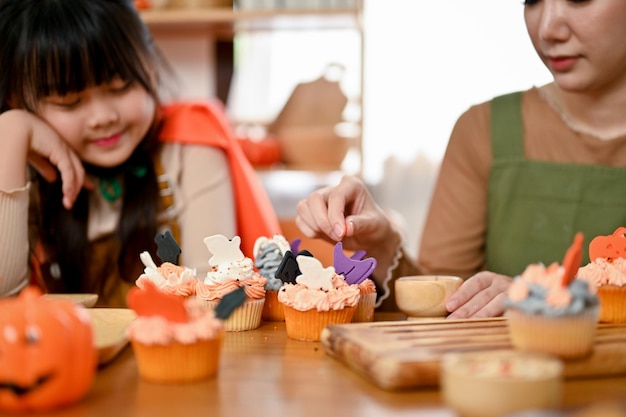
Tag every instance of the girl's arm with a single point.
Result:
(26, 139)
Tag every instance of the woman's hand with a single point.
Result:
(480, 296)
(346, 212)
(27, 139)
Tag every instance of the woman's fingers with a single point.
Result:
(480, 296)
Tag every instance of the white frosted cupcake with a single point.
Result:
(230, 269)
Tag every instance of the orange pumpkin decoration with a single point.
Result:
(609, 247)
(47, 354)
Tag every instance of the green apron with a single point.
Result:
(534, 207)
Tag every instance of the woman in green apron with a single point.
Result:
(521, 175)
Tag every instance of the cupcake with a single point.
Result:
(315, 298)
(606, 274)
(174, 339)
(550, 311)
(230, 269)
(268, 254)
(356, 271)
(169, 277)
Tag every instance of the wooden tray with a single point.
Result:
(109, 325)
(398, 355)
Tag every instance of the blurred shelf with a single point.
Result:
(228, 21)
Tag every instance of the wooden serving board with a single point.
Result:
(398, 355)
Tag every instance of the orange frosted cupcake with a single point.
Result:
(174, 339)
(318, 298)
(606, 274)
(230, 269)
(551, 312)
(268, 255)
(169, 278)
(367, 302)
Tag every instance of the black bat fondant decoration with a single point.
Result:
(167, 248)
(288, 269)
(229, 303)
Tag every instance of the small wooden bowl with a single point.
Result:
(497, 383)
(425, 295)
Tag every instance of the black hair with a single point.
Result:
(63, 46)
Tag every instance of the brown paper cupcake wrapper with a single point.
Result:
(245, 317)
(612, 304)
(272, 309)
(308, 325)
(178, 363)
(365, 308)
(568, 337)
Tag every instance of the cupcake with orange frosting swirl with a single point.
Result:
(550, 311)
(170, 277)
(174, 339)
(314, 297)
(230, 269)
(606, 274)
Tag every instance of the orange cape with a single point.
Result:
(205, 123)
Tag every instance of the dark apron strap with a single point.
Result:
(506, 127)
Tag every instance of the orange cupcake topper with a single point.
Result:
(149, 301)
(572, 260)
(609, 247)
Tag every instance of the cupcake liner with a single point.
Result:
(245, 317)
(272, 309)
(568, 337)
(612, 304)
(178, 363)
(365, 308)
(308, 325)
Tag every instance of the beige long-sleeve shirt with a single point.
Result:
(204, 205)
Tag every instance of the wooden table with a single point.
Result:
(264, 373)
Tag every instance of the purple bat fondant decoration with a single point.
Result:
(358, 255)
(355, 269)
(295, 245)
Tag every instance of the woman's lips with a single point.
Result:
(561, 63)
(107, 142)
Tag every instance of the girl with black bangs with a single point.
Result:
(93, 165)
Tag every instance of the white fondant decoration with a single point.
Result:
(147, 260)
(223, 250)
(314, 275)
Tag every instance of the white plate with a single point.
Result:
(87, 300)
(109, 326)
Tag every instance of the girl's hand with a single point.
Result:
(480, 296)
(30, 140)
(346, 212)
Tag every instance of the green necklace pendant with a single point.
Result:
(110, 188)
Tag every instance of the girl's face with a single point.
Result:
(103, 124)
(582, 42)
